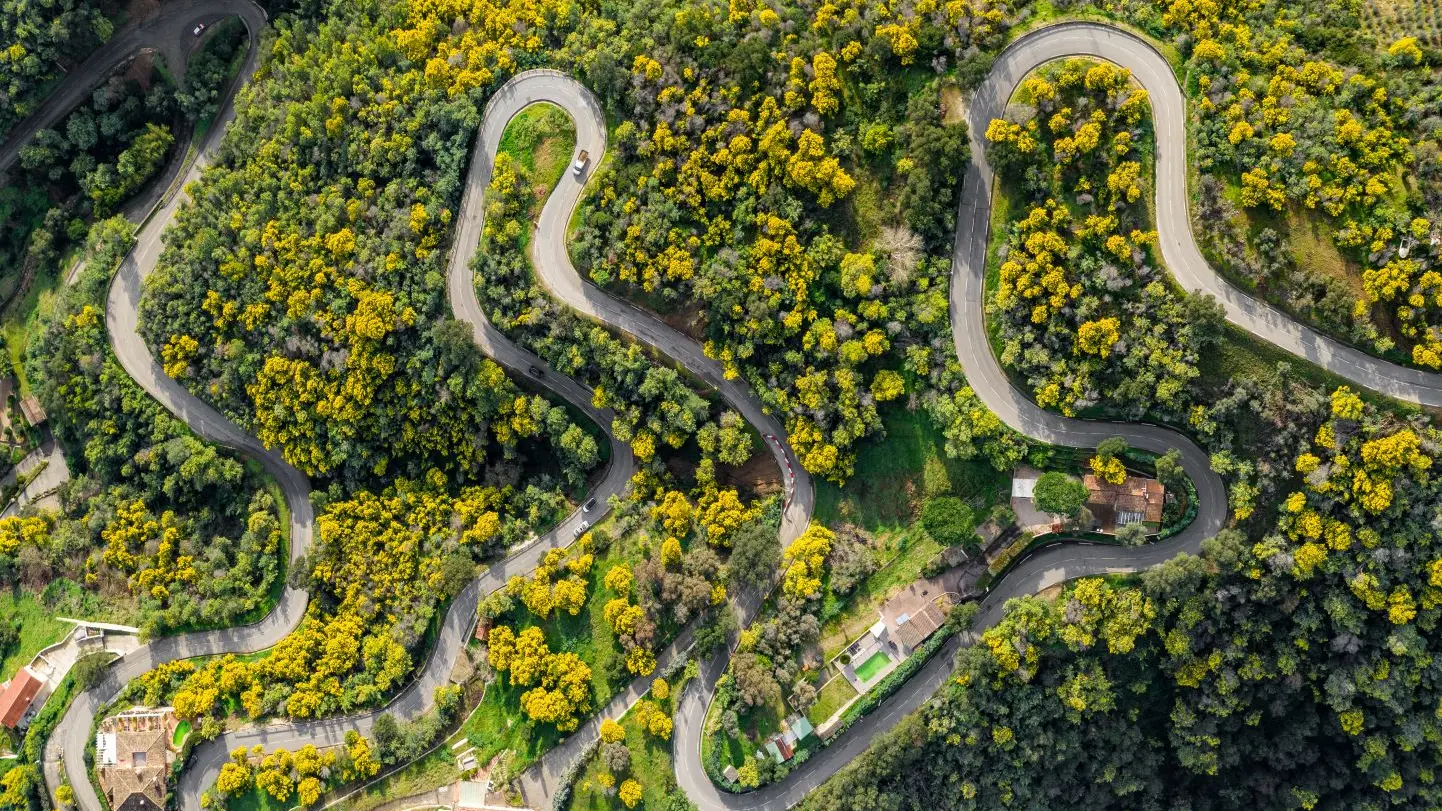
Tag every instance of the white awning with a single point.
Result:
(105, 748)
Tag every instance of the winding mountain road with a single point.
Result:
(72, 733)
(554, 268)
(984, 374)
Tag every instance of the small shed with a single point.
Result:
(774, 751)
(801, 727)
(471, 795)
(31, 410)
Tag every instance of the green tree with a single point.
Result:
(950, 521)
(1133, 534)
(89, 670)
(755, 557)
(1112, 447)
(1169, 470)
(1056, 492)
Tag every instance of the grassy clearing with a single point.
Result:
(542, 140)
(1312, 246)
(430, 772)
(900, 473)
(830, 699)
(498, 724)
(999, 230)
(756, 725)
(651, 766)
(866, 205)
(891, 486)
(255, 800)
(38, 629)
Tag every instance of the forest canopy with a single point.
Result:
(301, 292)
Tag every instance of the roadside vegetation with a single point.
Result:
(633, 767)
(40, 40)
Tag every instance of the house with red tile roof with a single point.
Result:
(1135, 500)
(17, 696)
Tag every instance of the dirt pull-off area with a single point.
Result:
(953, 105)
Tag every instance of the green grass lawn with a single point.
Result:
(432, 771)
(873, 665)
(257, 800)
(651, 766)
(38, 629)
(498, 723)
(831, 698)
(757, 724)
(542, 139)
(892, 476)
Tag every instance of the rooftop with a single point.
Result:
(17, 696)
(31, 409)
(133, 754)
(913, 629)
(471, 794)
(1123, 503)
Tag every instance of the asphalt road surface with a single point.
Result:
(554, 268)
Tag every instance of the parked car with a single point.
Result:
(581, 530)
(588, 506)
(581, 160)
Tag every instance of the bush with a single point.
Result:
(1059, 493)
(949, 521)
(89, 670)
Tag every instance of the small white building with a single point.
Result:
(1023, 486)
(471, 795)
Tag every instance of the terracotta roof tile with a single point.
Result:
(18, 695)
